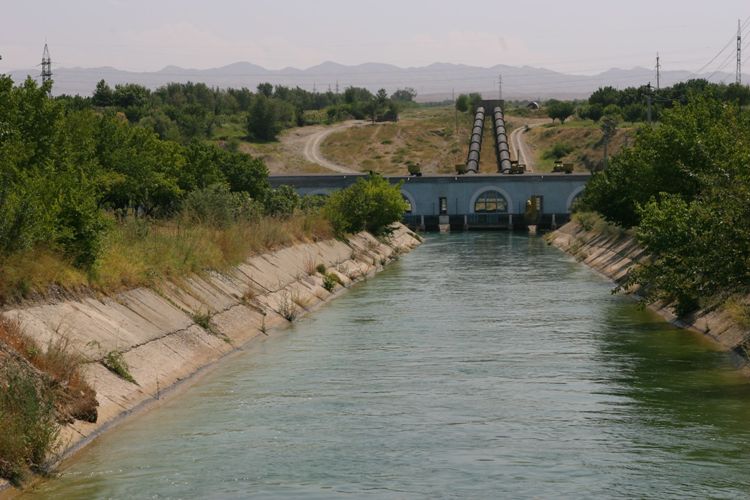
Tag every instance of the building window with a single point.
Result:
(490, 202)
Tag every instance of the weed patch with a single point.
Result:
(115, 363)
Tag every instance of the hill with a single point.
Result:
(433, 82)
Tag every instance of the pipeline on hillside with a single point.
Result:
(501, 142)
(475, 144)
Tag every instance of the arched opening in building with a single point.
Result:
(490, 202)
(409, 203)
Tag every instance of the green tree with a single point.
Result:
(560, 110)
(263, 121)
(462, 103)
(407, 94)
(103, 95)
(371, 204)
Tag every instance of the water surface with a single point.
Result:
(482, 365)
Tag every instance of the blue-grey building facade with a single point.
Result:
(468, 201)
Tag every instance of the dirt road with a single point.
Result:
(520, 148)
(313, 141)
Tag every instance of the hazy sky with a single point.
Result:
(577, 36)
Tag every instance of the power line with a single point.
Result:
(718, 54)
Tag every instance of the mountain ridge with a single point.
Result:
(435, 81)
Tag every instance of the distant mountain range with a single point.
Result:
(432, 83)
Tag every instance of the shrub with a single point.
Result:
(558, 151)
(371, 204)
(281, 202)
(288, 306)
(38, 389)
(27, 419)
(321, 268)
(329, 282)
(218, 207)
(115, 363)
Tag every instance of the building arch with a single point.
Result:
(573, 196)
(410, 200)
(486, 189)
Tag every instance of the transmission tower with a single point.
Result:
(738, 78)
(658, 72)
(46, 65)
(500, 87)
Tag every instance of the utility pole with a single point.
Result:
(46, 65)
(738, 79)
(455, 110)
(658, 72)
(500, 87)
(337, 87)
(648, 96)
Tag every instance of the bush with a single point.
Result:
(218, 207)
(27, 419)
(329, 282)
(558, 151)
(115, 363)
(371, 204)
(281, 202)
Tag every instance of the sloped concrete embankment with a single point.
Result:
(158, 331)
(614, 253)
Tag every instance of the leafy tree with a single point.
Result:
(560, 110)
(263, 121)
(371, 204)
(281, 202)
(609, 129)
(265, 89)
(407, 94)
(103, 95)
(604, 96)
(462, 103)
(633, 113)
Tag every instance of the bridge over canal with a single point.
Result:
(468, 201)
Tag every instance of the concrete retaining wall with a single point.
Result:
(613, 255)
(156, 330)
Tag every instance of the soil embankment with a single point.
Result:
(168, 333)
(613, 253)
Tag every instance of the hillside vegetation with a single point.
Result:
(424, 136)
(577, 142)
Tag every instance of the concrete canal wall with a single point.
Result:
(168, 333)
(614, 253)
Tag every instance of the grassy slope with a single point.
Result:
(282, 156)
(139, 253)
(422, 135)
(583, 136)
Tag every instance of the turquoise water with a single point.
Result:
(482, 365)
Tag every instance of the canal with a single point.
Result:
(482, 365)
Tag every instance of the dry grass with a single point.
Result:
(39, 390)
(140, 253)
(584, 137)
(739, 310)
(425, 136)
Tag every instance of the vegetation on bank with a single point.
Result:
(89, 200)
(685, 188)
(40, 389)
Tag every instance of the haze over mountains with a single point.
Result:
(432, 83)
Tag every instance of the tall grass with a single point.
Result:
(39, 388)
(138, 252)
